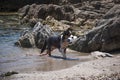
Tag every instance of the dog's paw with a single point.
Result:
(42, 54)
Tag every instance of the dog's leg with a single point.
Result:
(63, 51)
(49, 52)
(49, 47)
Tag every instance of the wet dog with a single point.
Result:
(61, 42)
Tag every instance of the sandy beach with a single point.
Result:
(98, 69)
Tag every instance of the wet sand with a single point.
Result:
(99, 69)
(93, 69)
(29, 61)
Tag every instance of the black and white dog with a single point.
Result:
(61, 42)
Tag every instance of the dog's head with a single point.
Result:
(72, 39)
(67, 33)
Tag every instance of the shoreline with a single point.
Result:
(8, 13)
(99, 69)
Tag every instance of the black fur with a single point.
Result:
(44, 46)
(55, 41)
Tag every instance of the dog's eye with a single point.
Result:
(72, 37)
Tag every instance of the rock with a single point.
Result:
(66, 12)
(36, 37)
(89, 15)
(8, 74)
(26, 40)
(14, 5)
(98, 54)
(116, 1)
(55, 24)
(114, 12)
(104, 37)
(24, 11)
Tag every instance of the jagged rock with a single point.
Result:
(66, 12)
(14, 5)
(104, 37)
(36, 37)
(55, 24)
(89, 14)
(114, 12)
(26, 40)
(24, 10)
(116, 1)
(94, 9)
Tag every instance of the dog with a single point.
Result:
(60, 42)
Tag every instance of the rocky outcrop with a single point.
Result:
(105, 36)
(42, 11)
(14, 5)
(55, 24)
(68, 10)
(35, 37)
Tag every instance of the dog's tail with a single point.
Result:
(44, 47)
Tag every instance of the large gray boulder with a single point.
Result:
(105, 36)
(35, 37)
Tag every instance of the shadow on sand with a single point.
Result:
(59, 57)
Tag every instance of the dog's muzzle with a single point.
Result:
(72, 39)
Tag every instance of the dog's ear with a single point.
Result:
(67, 32)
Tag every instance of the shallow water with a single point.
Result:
(22, 60)
(18, 59)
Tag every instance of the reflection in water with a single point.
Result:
(26, 60)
